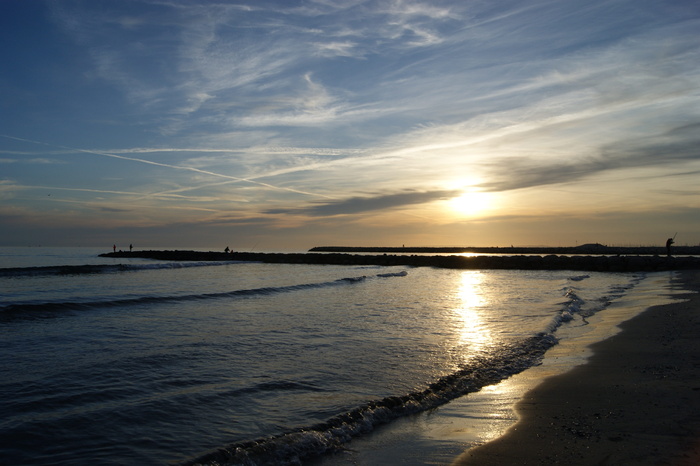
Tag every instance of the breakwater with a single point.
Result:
(593, 248)
(596, 263)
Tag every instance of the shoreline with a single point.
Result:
(593, 263)
(447, 434)
(635, 401)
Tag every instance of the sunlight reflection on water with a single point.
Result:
(472, 301)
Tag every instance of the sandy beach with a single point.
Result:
(636, 401)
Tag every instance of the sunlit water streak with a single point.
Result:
(151, 362)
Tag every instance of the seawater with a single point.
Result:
(133, 361)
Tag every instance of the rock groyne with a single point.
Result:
(599, 263)
(584, 249)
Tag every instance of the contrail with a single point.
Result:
(175, 167)
(163, 195)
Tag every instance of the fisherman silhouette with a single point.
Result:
(114, 248)
(669, 242)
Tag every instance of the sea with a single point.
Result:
(110, 361)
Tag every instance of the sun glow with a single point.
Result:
(471, 203)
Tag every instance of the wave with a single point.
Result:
(11, 272)
(50, 309)
(579, 278)
(276, 386)
(576, 306)
(403, 273)
(299, 444)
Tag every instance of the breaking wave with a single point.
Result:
(296, 445)
(87, 269)
(575, 306)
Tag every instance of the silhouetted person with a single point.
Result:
(669, 242)
(131, 246)
(114, 247)
(226, 250)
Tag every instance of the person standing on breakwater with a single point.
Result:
(114, 247)
(669, 242)
(131, 246)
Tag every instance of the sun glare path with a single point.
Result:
(471, 301)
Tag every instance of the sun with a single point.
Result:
(470, 203)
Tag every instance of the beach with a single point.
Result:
(636, 401)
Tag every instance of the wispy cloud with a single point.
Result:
(357, 204)
(112, 210)
(338, 49)
(32, 161)
(177, 167)
(216, 53)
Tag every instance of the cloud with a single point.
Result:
(508, 175)
(339, 49)
(187, 59)
(177, 167)
(674, 148)
(8, 188)
(32, 161)
(356, 205)
(311, 105)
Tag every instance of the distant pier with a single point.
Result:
(533, 259)
(593, 248)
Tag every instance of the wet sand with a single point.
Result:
(635, 402)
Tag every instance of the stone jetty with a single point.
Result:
(533, 261)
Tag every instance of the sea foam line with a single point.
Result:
(575, 306)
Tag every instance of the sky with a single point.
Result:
(284, 125)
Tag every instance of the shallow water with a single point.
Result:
(137, 361)
(439, 436)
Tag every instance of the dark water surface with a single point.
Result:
(115, 361)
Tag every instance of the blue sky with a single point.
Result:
(283, 125)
